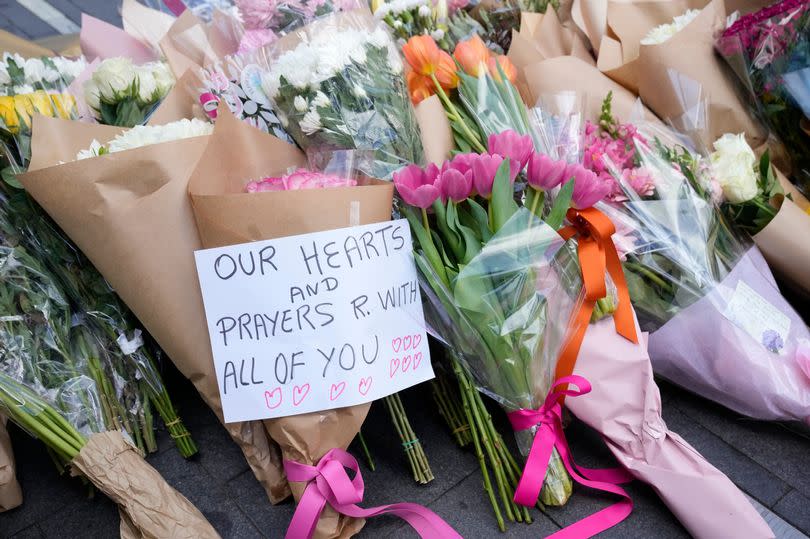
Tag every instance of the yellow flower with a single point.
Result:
(25, 108)
(64, 105)
(41, 103)
(8, 114)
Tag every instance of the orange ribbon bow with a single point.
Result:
(597, 256)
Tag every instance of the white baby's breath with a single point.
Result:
(664, 32)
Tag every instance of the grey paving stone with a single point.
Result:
(31, 532)
(84, 518)
(30, 27)
(270, 520)
(219, 454)
(795, 508)
(777, 449)
(745, 472)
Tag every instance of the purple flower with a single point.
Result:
(417, 186)
(518, 148)
(772, 340)
(545, 173)
(454, 185)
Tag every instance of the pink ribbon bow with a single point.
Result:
(329, 483)
(548, 419)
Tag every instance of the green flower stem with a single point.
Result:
(455, 116)
(366, 452)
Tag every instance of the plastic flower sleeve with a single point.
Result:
(506, 315)
(337, 84)
(556, 123)
(284, 16)
(719, 325)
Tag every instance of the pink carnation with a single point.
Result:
(300, 179)
(640, 180)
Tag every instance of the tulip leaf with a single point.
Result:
(561, 204)
(445, 220)
(10, 178)
(502, 204)
(481, 219)
(426, 242)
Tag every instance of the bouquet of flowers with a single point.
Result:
(769, 50)
(337, 84)
(19, 75)
(501, 17)
(123, 94)
(284, 16)
(692, 274)
(237, 81)
(408, 18)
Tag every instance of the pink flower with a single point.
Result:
(518, 148)
(300, 179)
(254, 39)
(257, 13)
(484, 169)
(640, 180)
(455, 185)
(462, 162)
(267, 184)
(545, 173)
(588, 187)
(417, 186)
(455, 5)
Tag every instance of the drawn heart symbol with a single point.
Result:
(393, 366)
(396, 344)
(407, 342)
(417, 359)
(273, 398)
(417, 340)
(300, 393)
(336, 390)
(406, 362)
(365, 385)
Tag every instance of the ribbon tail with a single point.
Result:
(426, 523)
(306, 515)
(534, 473)
(623, 318)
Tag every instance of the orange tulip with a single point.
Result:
(419, 86)
(472, 54)
(446, 71)
(422, 54)
(507, 67)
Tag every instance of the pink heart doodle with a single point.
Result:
(417, 340)
(406, 362)
(365, 385)
(336, 390)
(417, 359)
(393, 366)
(407, 342)
(300, 393)
(396, 344)
(273, 398)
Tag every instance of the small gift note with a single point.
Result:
(313, 322)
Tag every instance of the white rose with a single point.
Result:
(734, 163)
(34, 70)
(300, 103)
(114, 77)
(147, 87)
(91, 95)
(163, 78)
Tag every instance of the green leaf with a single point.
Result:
(481, 218)
(561, 205)
(10, 178)
(445, 222)
(425, 242)
(502, 204)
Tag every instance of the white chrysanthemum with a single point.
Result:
(321, 100)
(114, 76)
(359, 92)
(23, 89)
(5, 78)
(36, 71)
(664, 32)
(70, 69)
(91, 94)
(93, 151)
(379, 38)
(144, 135)
(733, 164)
(300, 103)
(311, 122)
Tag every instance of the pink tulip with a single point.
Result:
(454, 185)
(588, 187)
(518, 148)
(417, 186)
(545, 173)
(484, 169)
(461, 162)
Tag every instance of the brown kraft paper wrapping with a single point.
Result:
(649, 70)
(178, 103)
(435, 130)
(226, 215)
(27, 49)
(149, 507)
(130, 214)
(10, 492)
(784, 245)
(186, 46)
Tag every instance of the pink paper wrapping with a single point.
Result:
(103, 40)
(625, 408)
(702, 350)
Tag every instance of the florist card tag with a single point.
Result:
(314, 322)
(756, 316)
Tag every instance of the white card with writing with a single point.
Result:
(314, 322)
(753, 314)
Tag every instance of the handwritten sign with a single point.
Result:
(314, 322)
